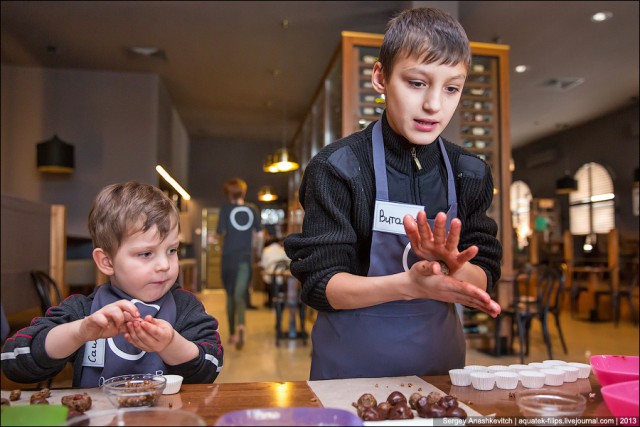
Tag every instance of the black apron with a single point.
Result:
(398, 338)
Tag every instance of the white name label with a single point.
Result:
(94, 353)
(388, 216)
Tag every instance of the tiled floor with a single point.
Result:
(261, 360)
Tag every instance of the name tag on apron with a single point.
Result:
(388, 216)
(94, 353)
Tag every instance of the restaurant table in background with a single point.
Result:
(211, 401)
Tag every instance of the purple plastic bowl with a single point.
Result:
(290, 417)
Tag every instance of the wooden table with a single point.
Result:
(211, 401)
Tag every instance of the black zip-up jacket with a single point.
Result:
(338, 196)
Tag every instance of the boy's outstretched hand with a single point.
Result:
(436, 245)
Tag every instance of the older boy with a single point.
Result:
(386, 308)
(142, 321)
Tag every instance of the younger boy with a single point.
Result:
(385, 306)
(141, 321)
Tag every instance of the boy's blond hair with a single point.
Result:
(430, 34)
(120, 210)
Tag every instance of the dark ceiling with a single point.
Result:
(220, 56)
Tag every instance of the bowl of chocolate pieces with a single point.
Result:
(128, 391)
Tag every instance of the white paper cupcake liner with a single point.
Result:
(532, 379)
(483, 380)
(570, 373)
(584, 369)
(553, 362)
(476, 368)
(498, 368)
(518, 367)
(460, 377)
(507, 380)
(553, 376)
(537, 365)
(174, 382)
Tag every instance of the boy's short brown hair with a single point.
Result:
(120, 210)
(427, 33)
(235, 188)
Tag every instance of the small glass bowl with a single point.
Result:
(127, 391)
(550, 403)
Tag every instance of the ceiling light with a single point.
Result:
(521, 68)
(566, 184)
(173, 182)
(266, 194)
(147, 52)
(601, 16)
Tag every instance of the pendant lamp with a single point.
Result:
(566, 184)
(269, 165)
(55, 156)
(266, 194)
(284, 161)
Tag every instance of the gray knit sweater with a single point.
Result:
(338, 196)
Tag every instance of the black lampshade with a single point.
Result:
(56, 156)
(566, 185)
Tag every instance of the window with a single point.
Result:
(521, 212)
(591, 206)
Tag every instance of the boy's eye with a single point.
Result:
(452, 89)
(144, 254)
(173, 251)
(416, 83)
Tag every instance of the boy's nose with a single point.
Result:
(163, 263)
(432, 101)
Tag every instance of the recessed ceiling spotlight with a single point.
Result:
(601, 16)
(522, 68)
(149, 52)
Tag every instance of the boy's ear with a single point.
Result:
(103, 262)
(377, 78)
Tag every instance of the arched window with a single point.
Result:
(591, 206)
(521, 212)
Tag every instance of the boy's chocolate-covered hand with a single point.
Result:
(149, 334)
(437, 245)
(109, 321)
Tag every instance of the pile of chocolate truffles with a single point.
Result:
(396, 407)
